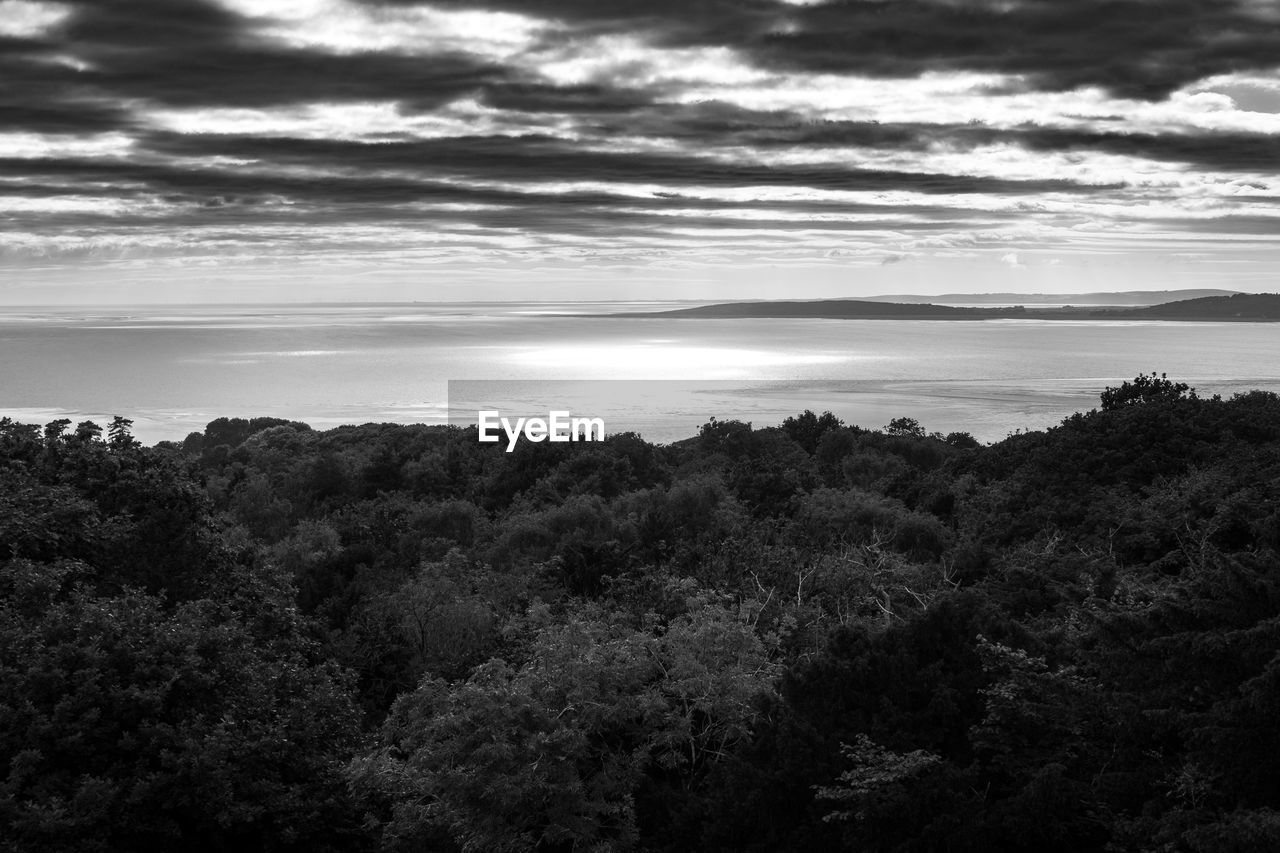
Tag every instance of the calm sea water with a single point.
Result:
(174, 369)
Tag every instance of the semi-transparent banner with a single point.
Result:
(670, 410)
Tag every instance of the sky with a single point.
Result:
(378, 150)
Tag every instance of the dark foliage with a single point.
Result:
(805, 638)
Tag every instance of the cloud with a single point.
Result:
(346, 27)
(108, 55)
(26, 19)
(734, 127)
(1053, 45)
(27, 146)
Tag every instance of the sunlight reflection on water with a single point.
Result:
(174, 371)
(665, 361)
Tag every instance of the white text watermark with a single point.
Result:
(557, 426)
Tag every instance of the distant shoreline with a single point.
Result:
(1239, 307)
(1036, 300)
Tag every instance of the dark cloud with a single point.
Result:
(64, 118)
(260, 192)
(195, 53)
(274, 228)
(1221, 151)
(116, 59)
(1136, 48)
(192, 53)
(542, 97)
(159, 25)
(727, 125)
(1218, 150)
(541, 158)
(40, 94)
(260, 77)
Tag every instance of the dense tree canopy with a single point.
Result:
(804, 638)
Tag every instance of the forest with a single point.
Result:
(810, 637)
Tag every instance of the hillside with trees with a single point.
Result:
(810, 637)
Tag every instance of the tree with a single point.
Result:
(731, 437)
(961, 440)
(909, 427)
(550, 754)
(118, 435)
(88, 431)
(55, 430)
(876, 775)
(807, 429)
(130, 726)
(1146, 389)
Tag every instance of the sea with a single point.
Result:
(172, 369)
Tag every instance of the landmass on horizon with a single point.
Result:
(1123, 298)
(1109, 297)
(1242, 307)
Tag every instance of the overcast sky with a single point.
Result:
(159, 150)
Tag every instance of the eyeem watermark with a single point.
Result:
(557, 426)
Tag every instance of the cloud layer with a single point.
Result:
(734, 132)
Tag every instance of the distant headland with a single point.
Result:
(1239, 307)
